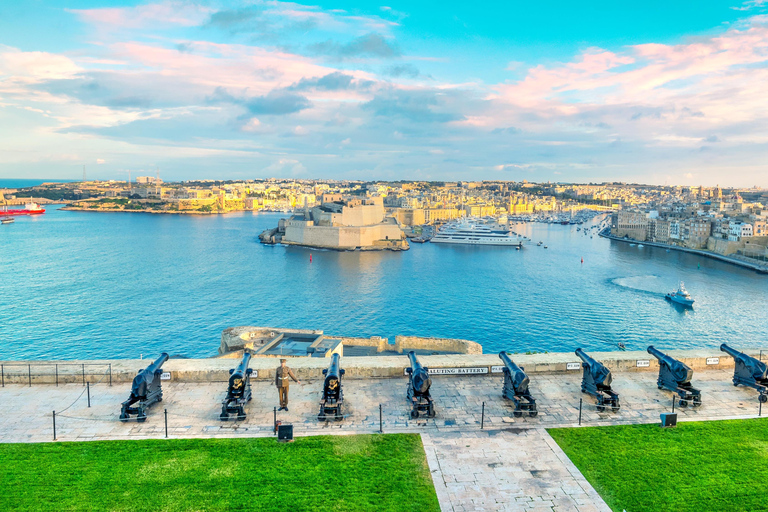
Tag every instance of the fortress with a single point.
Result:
(355, 224)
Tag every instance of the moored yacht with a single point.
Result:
(468, 232)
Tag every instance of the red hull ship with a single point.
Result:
(29, 209)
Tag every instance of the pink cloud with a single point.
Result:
(165, 13)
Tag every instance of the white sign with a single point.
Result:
(455, 371)
(497, 369)
(713, 360)
(165, 376)
(644, 363)
(255, 374)
(573, 366)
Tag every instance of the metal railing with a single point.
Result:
(53, 373)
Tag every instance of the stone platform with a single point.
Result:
(509, 464)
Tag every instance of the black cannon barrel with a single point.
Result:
(415, 364)
(508, 362)
(243, 366)
(519, 379)
(333, 369)
(420, 377)
(758, 369)
(585, 357)
(661, 356)
(158, 363)
(601, 375)
(679, 371)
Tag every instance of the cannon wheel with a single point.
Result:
(241, 416)
(223, 416)
(431, 411)
(533, 414)
(321, 417)
(697, 401)
(615, 408)
(517, 414)
(763, 398)
(338, 416)
(683, 403)
(124, 417)
(141, 418)
(414, 414)
(600, 408)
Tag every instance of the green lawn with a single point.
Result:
(364, 472)
(701, 466)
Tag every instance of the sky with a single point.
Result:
(651, 92)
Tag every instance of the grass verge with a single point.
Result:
(697, 466)
(334, 473)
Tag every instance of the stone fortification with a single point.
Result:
(355, 224)
(217, 369)
(236, 339)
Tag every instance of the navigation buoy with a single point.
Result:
(310, 257)
(582, 261)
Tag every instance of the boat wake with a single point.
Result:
(648, 284)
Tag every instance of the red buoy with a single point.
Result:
(310, 257)
(582, 260)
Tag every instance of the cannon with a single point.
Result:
(419, 383)
(333, 396)
(748, 371)
(238, 390)
(676, 377)
(596, 381)
(145, 390)
(516, 388)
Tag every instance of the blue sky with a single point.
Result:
(655, 92)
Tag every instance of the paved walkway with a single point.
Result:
(510, 470)
(512, 464)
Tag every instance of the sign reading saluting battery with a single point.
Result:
(455, 371)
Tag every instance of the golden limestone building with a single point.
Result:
(355, 224)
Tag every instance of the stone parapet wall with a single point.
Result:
(405, 343)
(217, 370)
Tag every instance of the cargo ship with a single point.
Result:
(29, 209)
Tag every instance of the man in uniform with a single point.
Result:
(282, 375)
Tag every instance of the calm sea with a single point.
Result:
(116, 285)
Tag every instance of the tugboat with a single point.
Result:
(681, 296)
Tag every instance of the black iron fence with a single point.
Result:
(54, 373)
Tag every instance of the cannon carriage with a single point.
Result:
(419, 383)
(238, 390)
(749, 372)
(676, 377)
(333, 396)
(596, 381)
(516, 388)
(146, 390)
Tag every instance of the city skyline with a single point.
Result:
(231, 90)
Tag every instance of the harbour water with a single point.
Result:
(117, 285)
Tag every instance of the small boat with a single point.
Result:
(7, 220)
(545, 247)
(621, 346)
(419, 240)
(681, 296)
(632, 245)
(640, 246)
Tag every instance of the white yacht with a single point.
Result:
(468, 232)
